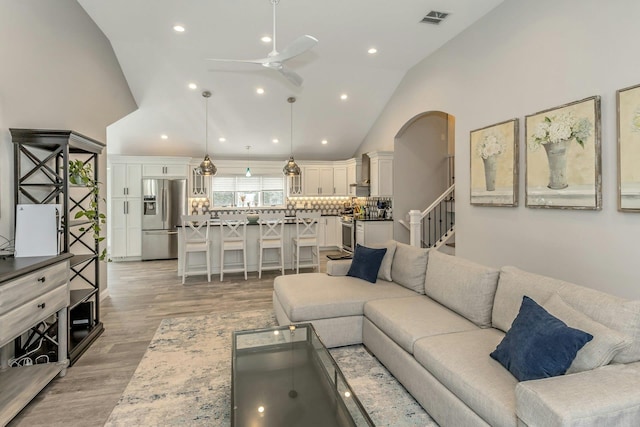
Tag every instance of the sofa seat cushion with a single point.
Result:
(406, 320)
(461, 362)
(310, 296)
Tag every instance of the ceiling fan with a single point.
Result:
(275, 60)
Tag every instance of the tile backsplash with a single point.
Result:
(326, 206)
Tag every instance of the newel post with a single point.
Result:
(415, 222)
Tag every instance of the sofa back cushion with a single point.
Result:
(606, 342)
(462, 286)
(615, 313)
(409, 266)
(385, 268)
(513, 285)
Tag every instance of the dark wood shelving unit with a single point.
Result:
(41, 175)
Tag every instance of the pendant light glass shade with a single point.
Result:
(207, 168)
(248, 173)
(291, 168)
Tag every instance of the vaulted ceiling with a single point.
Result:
(159, 64)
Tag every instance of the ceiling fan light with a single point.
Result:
(207, 168)
(291, 168)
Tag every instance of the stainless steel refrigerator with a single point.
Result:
(164, 201)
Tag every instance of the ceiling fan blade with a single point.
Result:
(292, 76)
(250, 61)
(299, 46)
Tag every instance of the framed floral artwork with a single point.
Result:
(563, 157)
(628, 101)
(494, 165)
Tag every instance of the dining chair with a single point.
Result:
(233, 238)
(306, 237)
(271, 237)
(195, 237)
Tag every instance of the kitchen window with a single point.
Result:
(249, 192)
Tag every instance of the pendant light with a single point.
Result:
(248, 174)
(207, 168)
(291, 168)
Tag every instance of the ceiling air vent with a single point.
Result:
(434, 17)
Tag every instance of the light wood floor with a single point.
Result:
(141, 294)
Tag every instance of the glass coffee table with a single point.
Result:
(285, 376)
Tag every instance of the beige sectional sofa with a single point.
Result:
(436, 318)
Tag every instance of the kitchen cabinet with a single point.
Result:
(340, 184)
(32, 290)
(328, 227)
(198, 184)
(294, 185)
(152, 170)
(318, 180)
(125, 206)
(126, 180)
(126, 227)
(47, 181)
(381, 173)
(353, 177)
(373, 232)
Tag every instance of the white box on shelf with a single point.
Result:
(37, 230)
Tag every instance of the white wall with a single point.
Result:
(58, 72)
(523, 57)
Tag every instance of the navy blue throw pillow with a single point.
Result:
(538, 345)
(366, 263)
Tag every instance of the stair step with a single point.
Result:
(452, 244)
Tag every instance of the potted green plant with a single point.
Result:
(81, 173)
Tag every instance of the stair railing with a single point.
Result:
(435, 225)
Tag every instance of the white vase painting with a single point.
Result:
(563, 157)
(494, 160)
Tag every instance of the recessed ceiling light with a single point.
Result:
(259, 91)
(275, 140)
(222, 139)
(163, 136)
(325, 142)
(344, 96)
(178, 28)
(193, 86)
(266, 39)
(372, 51)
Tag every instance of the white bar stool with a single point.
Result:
(271, 237)
(233, 237)
(195, 237)
(306, 237)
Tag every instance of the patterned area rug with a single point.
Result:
(184, 377)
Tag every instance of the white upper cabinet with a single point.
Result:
(198, 184)
(340, 184)
(155, 170)
(318, 180)
(381, 173)
(126, 180)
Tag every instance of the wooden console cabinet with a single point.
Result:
(32, 290)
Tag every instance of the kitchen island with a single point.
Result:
(197, 260)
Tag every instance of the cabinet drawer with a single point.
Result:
(27, 287)
(16, 321)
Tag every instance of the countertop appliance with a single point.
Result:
(164, 201)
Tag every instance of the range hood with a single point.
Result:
(362, 185)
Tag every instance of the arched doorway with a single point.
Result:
(422, 164)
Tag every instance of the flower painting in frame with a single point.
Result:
(629, 149)
(563, 157)
(494, 165)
